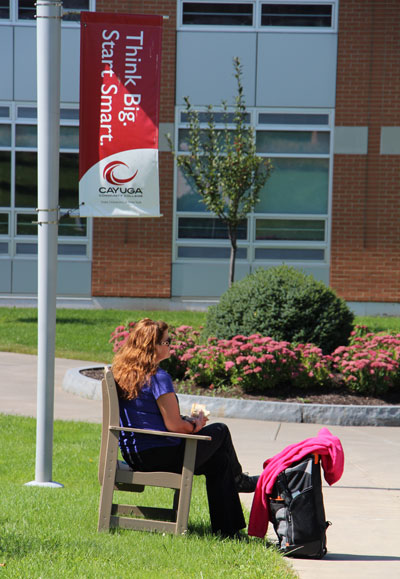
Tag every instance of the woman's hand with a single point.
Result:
(200, 420)
(173, 421)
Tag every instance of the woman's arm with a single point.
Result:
(168, 405)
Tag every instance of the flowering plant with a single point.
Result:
(370, 364)
(258, 364)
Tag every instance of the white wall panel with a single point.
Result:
(70, 64)
(25, 63)
(5, 276)
(296, 70)
(204, 279)
(73, 278)
(205, 66)
(6, 63)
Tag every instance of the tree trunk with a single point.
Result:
(232, 259)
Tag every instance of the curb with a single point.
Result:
(332, 414)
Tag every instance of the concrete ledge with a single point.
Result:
(344, 415)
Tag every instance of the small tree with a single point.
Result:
(222, 166)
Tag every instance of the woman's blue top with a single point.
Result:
(143, 412)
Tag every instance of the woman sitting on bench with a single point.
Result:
(147, 400)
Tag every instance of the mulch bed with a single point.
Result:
(333, 396)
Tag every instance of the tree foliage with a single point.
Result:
(222, 165)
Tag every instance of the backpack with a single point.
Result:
(296, 509)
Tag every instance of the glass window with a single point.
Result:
(73, 226)
(296, 186)
(25, 179)
(69, 137)
(71, 249)
(217, 14)
(183, 138)
(289, 254)
(69, 180)
(26, 136)
(69, 114)
(72, 6)
(4, 9)
(300, 142)
(211, 252)
(206, 228)
(5, 178)
(219, 117)
(27, 224)
(290, 230)
(5, 112)
(292, 119)
(27, 112)
(5, 135)
(27, 9)
(3, 223)
(187, 198)
(4, 248)
(26, 249)
(315, 15)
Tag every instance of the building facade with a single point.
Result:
(322, 91)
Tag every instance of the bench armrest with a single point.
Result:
(160, 433)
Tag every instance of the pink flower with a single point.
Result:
(229, 365)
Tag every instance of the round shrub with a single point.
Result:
(284, 304)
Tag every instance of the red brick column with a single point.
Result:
(132, 257)
(365, 256)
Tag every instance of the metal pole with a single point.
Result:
(48, 28)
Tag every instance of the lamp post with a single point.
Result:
(48, 29)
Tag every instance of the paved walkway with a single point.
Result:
(364, 506)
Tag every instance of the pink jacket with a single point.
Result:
(332, 458)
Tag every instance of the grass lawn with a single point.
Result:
(84, 334)
(52, 533)
(80, 334)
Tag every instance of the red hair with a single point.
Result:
(135, 362)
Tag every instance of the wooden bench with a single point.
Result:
(117, 475)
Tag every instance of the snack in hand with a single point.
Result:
(197, 408)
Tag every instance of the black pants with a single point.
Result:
(217, 460)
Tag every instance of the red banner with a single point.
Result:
(119, 112)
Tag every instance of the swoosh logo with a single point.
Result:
(109, 173)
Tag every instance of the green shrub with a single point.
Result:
(284, 304)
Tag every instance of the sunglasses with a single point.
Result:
(166, 342)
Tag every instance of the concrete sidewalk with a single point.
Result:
(364, 506)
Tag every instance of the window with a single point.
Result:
(4, 9)
(207, 252)
(5, 135)
(4, 223)
(18, 175)
(293, 142)
(27, 9)
(217, 14)
(282, 254)
(5, 178)
(292, 119)
(290, 221)
(290, 230)
(296, 186)
(207, 228)
(297, 15)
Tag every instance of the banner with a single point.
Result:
(119, 113)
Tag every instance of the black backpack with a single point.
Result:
(296, 509)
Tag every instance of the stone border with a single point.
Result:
(343, 415)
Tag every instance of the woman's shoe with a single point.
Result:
(246, 483)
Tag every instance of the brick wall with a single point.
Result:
(132, 257)
(365, 256)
